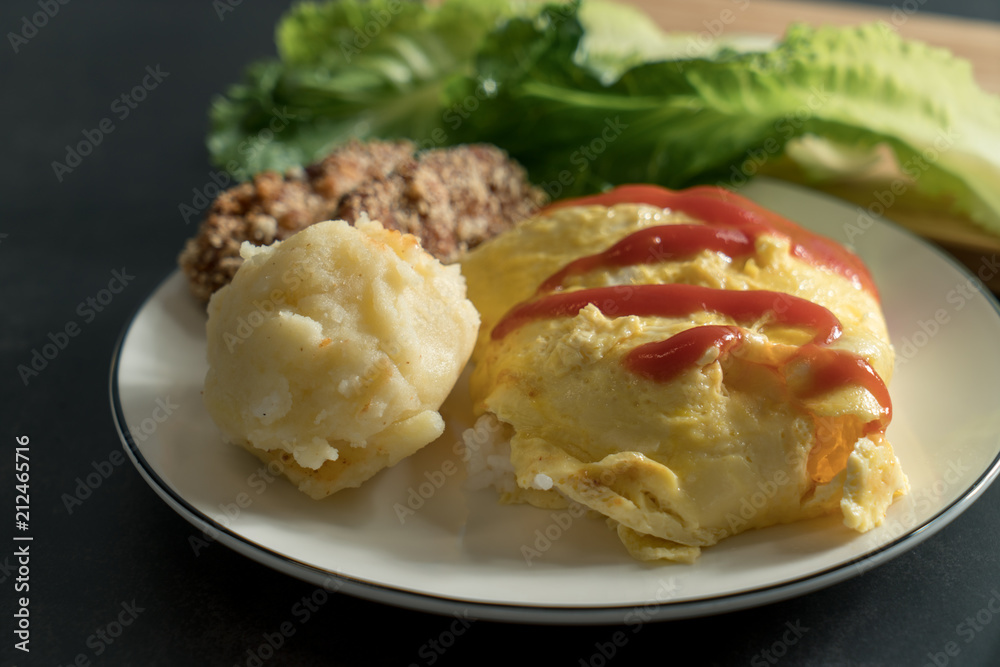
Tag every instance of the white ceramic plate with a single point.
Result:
(414, 536)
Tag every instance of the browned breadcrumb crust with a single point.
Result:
(452, 199)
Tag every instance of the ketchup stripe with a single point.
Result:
(832, 369)
(658, 244)
(717, 206)
(678, 300)
(732, 225)
(663, 360)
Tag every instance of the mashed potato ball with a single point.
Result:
(331, 352)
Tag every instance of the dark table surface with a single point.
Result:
(122, 555)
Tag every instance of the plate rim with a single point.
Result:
(575, 614)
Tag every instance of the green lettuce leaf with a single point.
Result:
(730, 117)
(590, 95)
(348, 69)
(618, 37)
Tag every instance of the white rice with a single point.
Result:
(541, 482)
(487, 456)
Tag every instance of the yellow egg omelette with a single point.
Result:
(687, 364)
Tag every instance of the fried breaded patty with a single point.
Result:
(452, 199)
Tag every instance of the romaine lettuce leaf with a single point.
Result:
(563, 92)
(728, 118)
(348, 69)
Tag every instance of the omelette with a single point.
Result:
(687, 364)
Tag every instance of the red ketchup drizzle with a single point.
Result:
(832, 369)
(717, 206)
(663, 360)
(658, 244)
(732, 224)
(678, 300)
